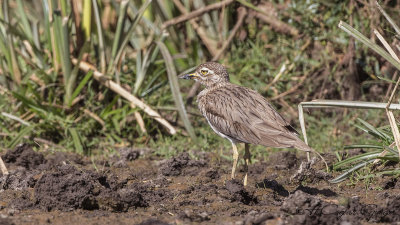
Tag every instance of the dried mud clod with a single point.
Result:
(308, 173)
(238, 193)
(66, 189)
(190, 215)
(18, 180)
(210, 175)
(23, 155)
(61, 158)
(121, 200)
(129, 154)
(389, 213)
(152, 221)
(152, 193)
(392, 183)
(126, 155)
(275, 186)
(284, 160)
(255, 217)
(181, 163)
(69, 188)
(302, 208)
(307, 209)
(6, 221)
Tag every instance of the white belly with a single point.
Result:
(234, 141)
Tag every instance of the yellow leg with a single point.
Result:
(246, 157)
(235, 159)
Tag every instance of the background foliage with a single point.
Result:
(289, 51)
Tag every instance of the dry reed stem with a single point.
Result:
(125, 94)
(277, 25)
(291, 90)
(394, 77)
(384, 153)
(80, 40)
(139, 120)
(242, 13)
(196, 13)
(285, 66)
(3, 167)
(95, 117)
(210, 44)
(392, 120)
(57, 66)
(395, 128)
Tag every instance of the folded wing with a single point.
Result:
(245, 115)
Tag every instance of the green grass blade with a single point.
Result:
(391, 158)
(344, 176)
(382, 173)
(359, 36)
(82, 84)
(87, 18)
(393, 151)
(17, 139)
(24, 21)
(118, 33)
(100, 35)
(373, 130)
(389, 19)
(76, 140)
(66, 59)
(362, 146)
(386, 79)
(149, 57)
(55, 41)
(173, 80)
(46, 22)
(13, 66)
(128, 35)
(368, 155)
(61, 41)
(74, 73)
(5, 51)
(30, 104)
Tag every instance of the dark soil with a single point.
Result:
(135, 187)
(24, 156)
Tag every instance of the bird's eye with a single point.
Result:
(204, 72)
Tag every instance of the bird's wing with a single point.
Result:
(245, 115)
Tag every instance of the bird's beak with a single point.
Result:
(188, 76)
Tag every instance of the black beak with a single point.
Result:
(188, 76)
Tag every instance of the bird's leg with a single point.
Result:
(246, 158)
(235, 159)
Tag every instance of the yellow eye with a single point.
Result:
(204, 72)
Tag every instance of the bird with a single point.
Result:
(241, 115)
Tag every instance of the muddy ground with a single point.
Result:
(137, 187)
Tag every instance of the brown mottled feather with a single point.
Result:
(245, 116)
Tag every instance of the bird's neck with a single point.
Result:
(212, 87)
(215, 85)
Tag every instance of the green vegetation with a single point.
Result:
(288, 51)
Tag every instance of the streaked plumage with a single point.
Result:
(241, 114)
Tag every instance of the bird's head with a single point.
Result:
(209, 74)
